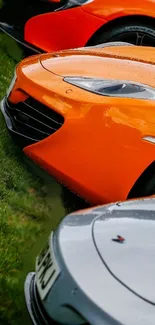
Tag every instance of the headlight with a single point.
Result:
(72, 3)
(11, 84)
(113, 88)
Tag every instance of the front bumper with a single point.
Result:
(17, 36)
(35, 309)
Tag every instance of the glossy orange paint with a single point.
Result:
(74, 27)
(98, 152)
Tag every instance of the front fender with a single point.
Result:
(61, 29)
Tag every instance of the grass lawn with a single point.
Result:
(25, 204)
(29, 208)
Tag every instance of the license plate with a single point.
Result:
(47, 270)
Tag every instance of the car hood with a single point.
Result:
(118, 62)
(117, 277)
(131, 262)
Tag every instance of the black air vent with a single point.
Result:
(33, 120)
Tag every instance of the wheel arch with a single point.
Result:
(142, 180)
(128, 19)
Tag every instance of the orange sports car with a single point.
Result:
(87, 116)
(52, 25)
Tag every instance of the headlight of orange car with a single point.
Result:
(113, 88)
(72, 3)
(78, 2)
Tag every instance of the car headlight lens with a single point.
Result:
(113, 88)
(11, 84)
(78, 2)
(72, 3)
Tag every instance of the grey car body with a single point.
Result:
(86, 275)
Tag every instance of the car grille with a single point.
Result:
(33, 120)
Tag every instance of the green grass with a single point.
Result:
(29, 208)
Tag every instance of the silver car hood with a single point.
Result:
(132, 261)
(113, 282)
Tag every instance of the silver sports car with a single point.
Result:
(98, 267)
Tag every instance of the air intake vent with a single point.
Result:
(33, 120)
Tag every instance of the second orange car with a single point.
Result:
(87, 116)
(52, 25)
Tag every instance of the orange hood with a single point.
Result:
(132, 63)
